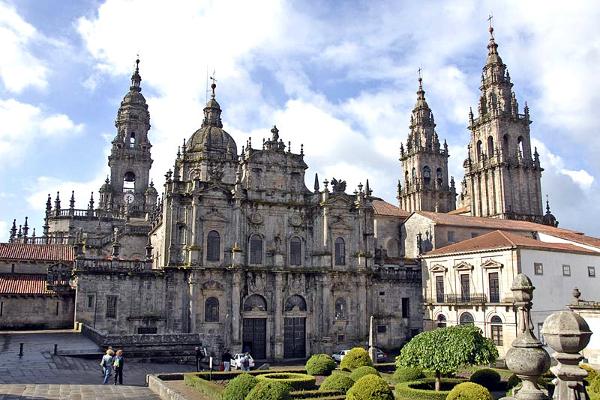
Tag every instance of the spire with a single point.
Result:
(91, 204)
(48, 205)
(316, 187)
(72, 201)
(26, 227)
(136, 79)
(493, 56)
(13, 231)
(57, 204)
(212, 111)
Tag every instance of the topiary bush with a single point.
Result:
(469, 391)
(269, 390)
(320, 364)
(357, 357)
(293, 380)
(425, 389)
(362, 371)
(239, 387)
(337, 381)
(370, 387)
(408, 374)
(487, 378)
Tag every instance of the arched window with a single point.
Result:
(414, 175)
(406, 179)
(295, 251)
(255, 303)
(182, 234)
(132, 140)
(213, 246)
(256, 249)
(295, 303)
(340, 251)
(340, 308)
(426, 175)
(466, 318)
(490, 146)
(441, 321)
(439, 175)
(520, 145)
(479, 150)
(505, 146)
(496, 328)
(129, 181)
(211, 310)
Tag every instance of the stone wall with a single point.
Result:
(36, 311)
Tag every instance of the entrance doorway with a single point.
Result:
(255, 337)
(294, 337)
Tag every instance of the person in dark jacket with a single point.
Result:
(118, 366)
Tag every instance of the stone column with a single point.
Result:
(235, 309)
(194, 253)
(278, 316)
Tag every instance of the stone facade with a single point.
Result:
(36, 311)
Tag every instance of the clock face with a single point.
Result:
(128, 198)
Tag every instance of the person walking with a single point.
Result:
(226, 361)
(118, 366)
(107, 364)
(245, 362)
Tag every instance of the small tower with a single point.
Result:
(503, 178)
(424, 164)
(129, 159)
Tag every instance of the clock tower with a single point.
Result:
(129, 160)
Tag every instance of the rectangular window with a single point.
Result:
(382, 293)
(381, 329)
(405, 307)
(538, 268)
(90, 301)
(465, 288)
(592, 272)
(295, 251)
(494, 287)
(111, 306)
(566, 270)
(497, 335)
(147, 330)
(451, 236)
(340, 338)
(439, 288)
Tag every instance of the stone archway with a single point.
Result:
(294, 327)
(254, 337)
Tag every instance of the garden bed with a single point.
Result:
(425, 389)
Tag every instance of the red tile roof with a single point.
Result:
(575, 237)
(37, 252)
(493, 223)
(23, 284)
(505, 240)
(384, 208)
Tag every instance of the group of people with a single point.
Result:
(244, 361)
(112, 361)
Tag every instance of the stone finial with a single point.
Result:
(526, 357)
(576, 295)
(567, 333)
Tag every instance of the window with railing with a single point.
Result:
(465, 288)
(439, 289)
(111, 306)
(494, 282)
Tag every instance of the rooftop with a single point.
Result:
(37, 252)
(505, 240)
(384, 208)
(23, 284)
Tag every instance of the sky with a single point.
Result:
(338, 77)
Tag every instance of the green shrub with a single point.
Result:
(362, 371)
(592, 373)
(370, 387)
(469, 391)
(513, 381)
(425, 389)
(337, 381)
(408, 374)
(293, 381)
(487, 378)
(207, 388)
(269, 390)
(239, 387)
(320, 364)
(317, 394)
(595, 386)
(357, 357)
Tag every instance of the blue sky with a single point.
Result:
(339, 77)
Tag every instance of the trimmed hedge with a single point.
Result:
(425, 389)
(469, 391)
(320, 364)
(487, 378)
(362, 371)
(228, 375)
(269, 390)
(316, 394)
(370, 387)
(292, 380)
(408, 374)
(239, 387)
(337, 381)
(207, 388)
(357, 357)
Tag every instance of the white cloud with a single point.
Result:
(24, 124)
(19, 68)
(3, 231)
(580, 177)
(44, 185)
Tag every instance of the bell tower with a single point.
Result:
(424, 185)
(130, 159)
(502, 176)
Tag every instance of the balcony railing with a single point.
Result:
(465, 298)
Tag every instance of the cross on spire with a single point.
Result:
(491, 28)
(213, 86)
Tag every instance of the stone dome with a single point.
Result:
(212, 138)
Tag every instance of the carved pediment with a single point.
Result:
(463, 266)
(438, 268)
(214, 215)
(489, 263)
(255, 218)
(340, 287)
(212, 284)
(338, 223)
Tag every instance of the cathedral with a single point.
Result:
(237, 253)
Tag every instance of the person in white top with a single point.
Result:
(107, 364)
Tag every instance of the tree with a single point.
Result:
(445, 350)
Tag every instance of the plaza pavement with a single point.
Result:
(39, 374)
